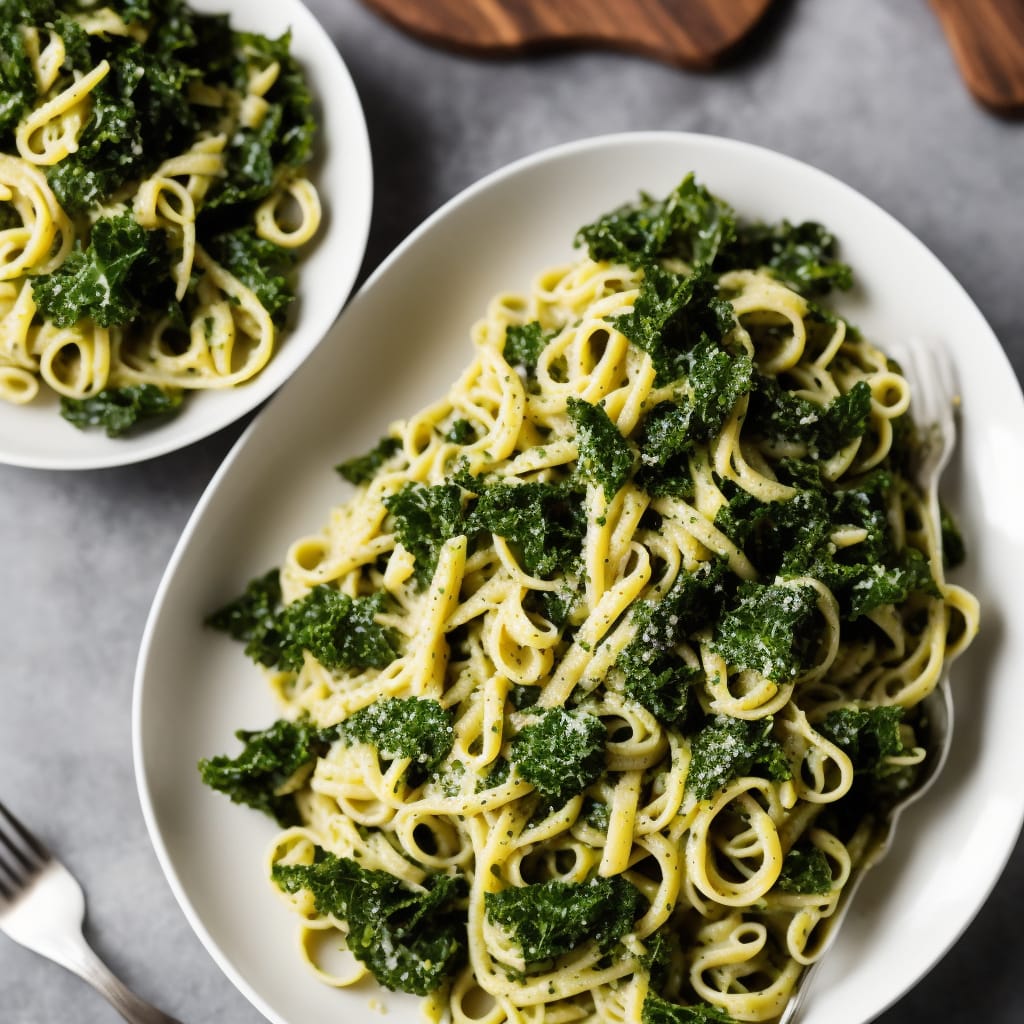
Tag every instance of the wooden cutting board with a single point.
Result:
(987, 40)
(986, 36)
(694, 33)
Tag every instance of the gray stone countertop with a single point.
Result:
(867, 91)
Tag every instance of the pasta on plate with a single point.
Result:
(596, 689)
(152, 196)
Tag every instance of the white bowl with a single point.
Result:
(37, 436)
(404, 337)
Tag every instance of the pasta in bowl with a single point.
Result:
(194, 687)
(594, 694)
(160, 218)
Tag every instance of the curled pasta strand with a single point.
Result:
(50, 132)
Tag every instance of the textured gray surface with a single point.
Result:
(867, 91)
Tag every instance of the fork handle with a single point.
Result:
(79, 958)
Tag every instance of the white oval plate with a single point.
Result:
(402, 340)
(37, 436)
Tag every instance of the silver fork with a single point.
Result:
(929, 370)
(42, 907)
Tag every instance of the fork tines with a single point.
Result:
(21, 854)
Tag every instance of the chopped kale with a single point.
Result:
(605, 457)
(543, 523)
(423, 519)
(659, 681)
(785, 416)
(266, 765)
(877, 584)
(521, 696)
(101, 280)
(460, 432)
(17, 81)
(118, 410)
(554, 605)
(597, 814)
(140, 115)
(668, 434)
(666, 442)
(867, 735)
(400, 727)
(554, 917)
(805, 871)
(258, 264)
(524, 344)
(560, 753)
(655, 676)
(412, 938)
(253, 618)
(660, 1011)
(338, 630)
(727, 748)
(767, 629)
(363, 468)
(283, 137)
(290, 91)
(689, 224)
(717, 380)
(497, 776)
(671, 315)
(803, 256)
(793, 538)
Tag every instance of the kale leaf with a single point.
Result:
(100, 281)
(283, 137)
(767, 629)
(290, 91)
(605, 457)
(17, 81)
(560, 753)
(726, 748)
(544, 523)
(660, 1011)
(338, 630)
(259, 264)
(399, 727)
(867, 735)
(253, 619)
(668, 434)
(268, 762)
(793, 538)
(803, 256)
(689, 224)
(423, 519)
(460, 432)
(805, 871)
(411, 938)
(524, 344)
(717, 380)
(655, 676)
(666, 441)
(140, 115)
(785, 416)
(363, 468)
(877, 584)
(554, 917)
(671, 315)
(117, 410)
